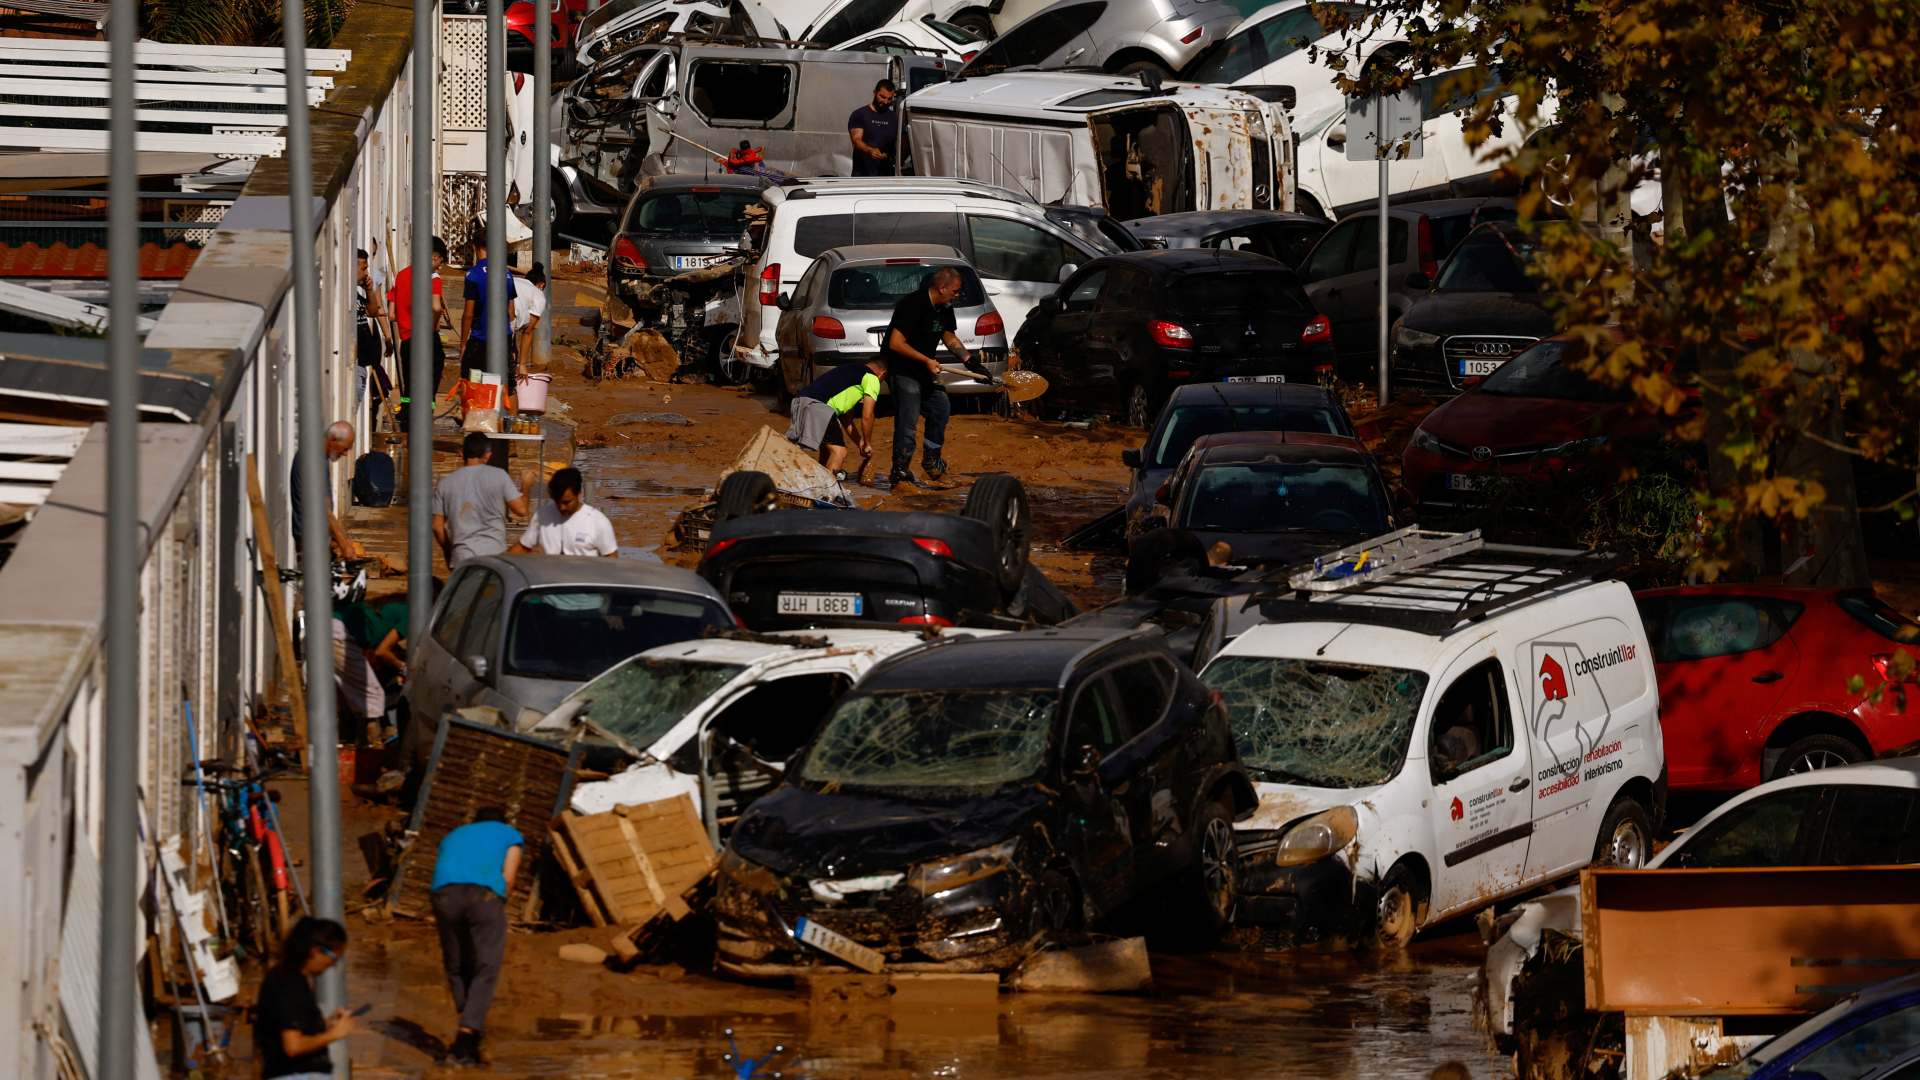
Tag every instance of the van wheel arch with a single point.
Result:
(1305, 203)
(1409, 875)
(976, 20)
(1801, 727)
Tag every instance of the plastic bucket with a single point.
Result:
(533, 393)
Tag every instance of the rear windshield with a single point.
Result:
(1272, 496)
(819, 232)
(879, 286)
(1449, 230)
(576, 633)
(1488, 262)
(1876, 615)
(1193, 421)
(1240, 290)
(714, 212)
(950, 32)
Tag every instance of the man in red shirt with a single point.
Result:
(402, 307)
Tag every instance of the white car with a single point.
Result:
(619, 24)
(1432, 723)
(923, 37)
(1330, 185)
(716, 719)
(1856, 815)
(1284, 44)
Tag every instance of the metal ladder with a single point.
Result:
(1396, 552)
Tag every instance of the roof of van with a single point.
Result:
(839, 186)
(1051, 93)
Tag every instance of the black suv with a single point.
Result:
(1121, 333)
(971, 799)
(799, 569)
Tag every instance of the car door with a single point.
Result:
(1780, 828)
(1722, 663)
(1112, 345)
(745, 743)
(1062, 360)
(1326, 271)
(1481, 808)
(1019, 262)
(433, 663)
(473, 673)
(794, 330)
(1099, 830)
(1164, 787)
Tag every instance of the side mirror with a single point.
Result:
(1067, 270)
(1163, 495)
(1048, 305)
(1337, 135)
(1418, 280)
(1086, 763)
(784, 302)
(1130, 457)
(478, 665)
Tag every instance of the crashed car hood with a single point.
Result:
(797, 832)
(1283, 804)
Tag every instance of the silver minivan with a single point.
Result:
(840, 310)
(1121, 37)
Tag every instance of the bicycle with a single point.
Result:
(253, 856)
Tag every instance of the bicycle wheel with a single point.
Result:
(256, 924)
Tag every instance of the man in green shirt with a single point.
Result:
(820, 407)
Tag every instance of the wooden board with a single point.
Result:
(632, 861)
(276, 608)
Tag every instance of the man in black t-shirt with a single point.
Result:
(875, 132)
(922, 320)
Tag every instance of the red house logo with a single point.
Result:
(1458, 811)
(1553, 679)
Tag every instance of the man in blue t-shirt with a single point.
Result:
(472, 876)
(473, 320)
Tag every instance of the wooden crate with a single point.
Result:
(628, 864)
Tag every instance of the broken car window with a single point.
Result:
(641, 701)
(1470, 726)
(740, 93)
(1316, 723)
(973, 740)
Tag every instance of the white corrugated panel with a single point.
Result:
(80, 972)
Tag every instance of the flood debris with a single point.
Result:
(1106, 967)
(579, 952)
(626, 864)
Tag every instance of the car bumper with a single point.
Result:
(1323, 896)
(897, 584)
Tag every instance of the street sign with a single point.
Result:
(1373, 122)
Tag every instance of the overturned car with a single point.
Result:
(972, 798)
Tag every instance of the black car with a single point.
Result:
(674, 225)
(1484, 310)
(797, 569)
(970, 799)
(1274, 233)
(1273, 498)
(1343, 277)
(1202, 409)
(1124, 330)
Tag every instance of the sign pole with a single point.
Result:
(1383, 147)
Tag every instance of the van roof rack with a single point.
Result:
(1425, 580)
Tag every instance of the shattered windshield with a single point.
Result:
(641, 701)
(1317, 723)
(972, 740)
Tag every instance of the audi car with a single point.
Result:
(1484, 309)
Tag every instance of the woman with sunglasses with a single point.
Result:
(289, 1034)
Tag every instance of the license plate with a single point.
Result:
(1466, 482)
(820, 603)
(1480, 367)
(1255, 378)
(838, 946)
(697, 262)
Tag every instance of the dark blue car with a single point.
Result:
(1873, 1035)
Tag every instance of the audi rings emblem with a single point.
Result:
(1483, 453)
(1492, 348)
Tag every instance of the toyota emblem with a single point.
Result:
(1492, 348)
(1483, 453)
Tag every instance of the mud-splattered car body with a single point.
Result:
(969, 798)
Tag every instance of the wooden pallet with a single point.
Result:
(632, 862)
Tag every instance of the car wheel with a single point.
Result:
(1816, 752)
(1139, 407)
(1216, 873)
(1626, 836)
(999, 502)
(561, 218)
(976, 22)
(743, 493)
(1135, 67)
(1399, 909)
(728, 368)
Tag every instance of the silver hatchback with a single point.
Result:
(840, 309)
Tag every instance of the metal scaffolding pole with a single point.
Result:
(426, 332)
(543, 171)
(323, 728)
(498, 260)
(120, 769)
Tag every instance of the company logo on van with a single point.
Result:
(1553, 680)
(1458, 810)
(1571, 700)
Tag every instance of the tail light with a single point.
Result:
(1179, 373)
(719, 546)
(926, 620)
(520, 78)
(966, 57)
(936, 548)
(738, 622)
(1193, 35)
(770, 285)
(626, 254)
(1170, 335)
(1429, 263)
(989, 324)
(1317, 330)
(827, 326)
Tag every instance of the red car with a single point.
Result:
(566, 16)
(1754, 680)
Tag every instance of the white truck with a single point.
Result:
(1125, 144)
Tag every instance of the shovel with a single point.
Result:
(1023, 385)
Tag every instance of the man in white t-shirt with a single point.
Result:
(529, 307)
(567, 525)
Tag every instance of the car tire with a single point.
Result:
(976, 22)
(999, 502)
(1399, 909)
(1134, 67)
(561, 220)
(728, 369)
(743, 493)
(1626, 836)
(1816, 752)
(1215, 875)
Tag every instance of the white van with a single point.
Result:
(1433, 723)
(1109, 141)
(1021, 250)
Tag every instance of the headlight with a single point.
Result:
(1413, 339)
(1422, 440)
(951, 873)
(1317, 837)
